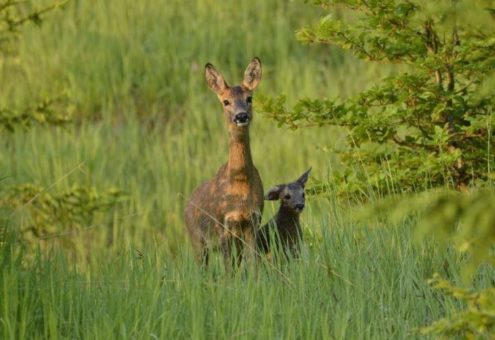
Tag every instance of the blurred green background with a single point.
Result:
(146, 123)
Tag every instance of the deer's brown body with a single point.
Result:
(226, 210)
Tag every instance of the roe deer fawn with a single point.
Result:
(284, 230)
(226, 210)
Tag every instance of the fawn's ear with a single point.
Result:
(214, 79)
(252, 75)
(304, 177)
(274, 193)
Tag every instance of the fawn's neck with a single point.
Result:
(240, 160)
(287, 216)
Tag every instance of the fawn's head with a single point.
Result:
(236, 100)
(291, 195)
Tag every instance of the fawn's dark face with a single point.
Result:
(236, 100)
(291, 195)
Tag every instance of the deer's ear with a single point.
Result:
(304, 177)
(214, 79)
(252, 75)
(274, 193)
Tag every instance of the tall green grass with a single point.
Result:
(147, 57)
(147, 124)
(355, 283)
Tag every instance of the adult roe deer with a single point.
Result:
(284, 230)
(226, 210)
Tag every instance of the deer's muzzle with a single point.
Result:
(299, 207)
(241, 119)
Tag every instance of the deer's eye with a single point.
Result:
(287, 196)
(226, 102)
(249, 100)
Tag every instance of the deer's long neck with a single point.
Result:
(240, 160)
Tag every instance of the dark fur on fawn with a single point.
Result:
(226, 210)
(284, 229)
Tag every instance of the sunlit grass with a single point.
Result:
(353, 282)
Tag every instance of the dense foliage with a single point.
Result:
(431, 124)
(464, 221)
(475, 321)
(44, 113)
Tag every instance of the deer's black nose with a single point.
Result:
(241, 118)
(300, 206)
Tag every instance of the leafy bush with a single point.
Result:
(476, 321)
(465, 222)
(44, 217)
(432, 123)
(44, 113)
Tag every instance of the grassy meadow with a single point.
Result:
(146, 123)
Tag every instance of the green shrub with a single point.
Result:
(465, 223)
(44, 219)
(429, 125)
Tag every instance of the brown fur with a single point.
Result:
(284, 229)
(226, 210)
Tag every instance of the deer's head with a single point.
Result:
(291, 195)
(236, 100)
